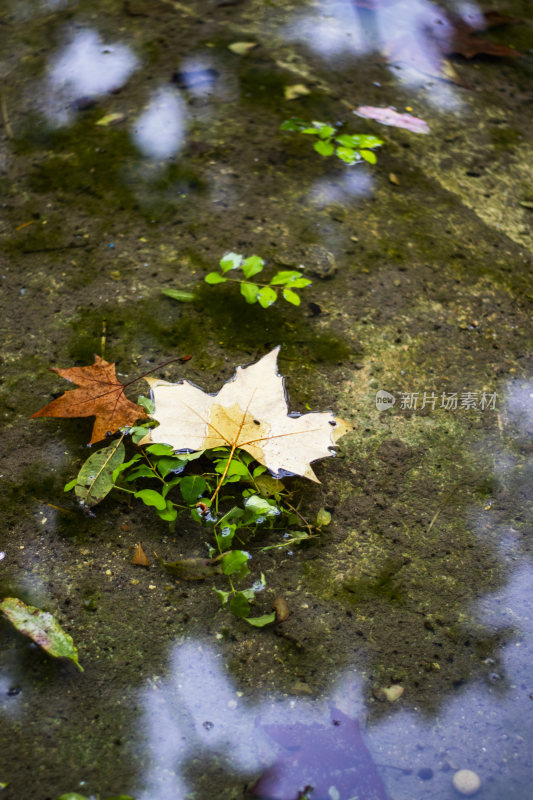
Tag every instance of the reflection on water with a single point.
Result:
(160, 130)
(196, 713)
(196, 708)
(85, 69)
(357, 183)
(413, 36)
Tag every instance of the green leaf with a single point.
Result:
(230, 261)
(293, 124)
(347, 140)
(259, 471)
(250, 291)
(169, 513)
(260, 507)
(125, 465)
(369, 156)
(326, 131)
(348, 155)
(291, 297)
(239, 605)
(234, 561)
(139, 432)
(225, 537)
(357, 141)
(224, 596)
(285, 276)
(323, 518)
(214, 277)
(192, 488)
(143, 471)
(179, 295)
(260, 622)
(267, 297)
(42, 627)
(299, 283)
(72, 796)
(235, 468)
(95, 478)
(167, 464)
(147, 403)
(152, 498)
(160, 450)
(325, 148)
(70, 485)
(252, 265)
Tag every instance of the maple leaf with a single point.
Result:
(100, 394)
(250, 413)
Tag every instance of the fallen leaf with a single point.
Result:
(250, 413)
(389, 693)
(281, 608)
(191, 569)
(323, 518)
(139, 557)
(241, 48)
(42, 627)
(329, 760)
(110, 119)
(100, 394)
(179, 294)
(388, 116)
(95, 479)
(295, 90)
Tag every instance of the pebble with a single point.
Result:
(466, 782)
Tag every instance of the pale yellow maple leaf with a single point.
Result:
(249, 412)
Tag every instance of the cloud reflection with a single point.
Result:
(86, 68)
(160, 130)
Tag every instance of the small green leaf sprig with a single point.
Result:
(350, 148)
(265, 294)
(223, 489)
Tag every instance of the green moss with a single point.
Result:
(505, 138)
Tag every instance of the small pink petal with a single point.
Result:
(388, 116)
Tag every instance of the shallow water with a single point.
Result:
(421, 288)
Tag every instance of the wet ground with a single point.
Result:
(421, 288)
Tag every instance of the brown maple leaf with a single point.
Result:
(100, 394)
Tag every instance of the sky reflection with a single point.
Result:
(411, 36)
(159, 131)
(86, 68)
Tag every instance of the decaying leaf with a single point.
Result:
(100, 394)
(42, 627)
(250, 413)
(191, 569)
(139, 557)
(295, 90)
(281, 608)
(241, 48)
